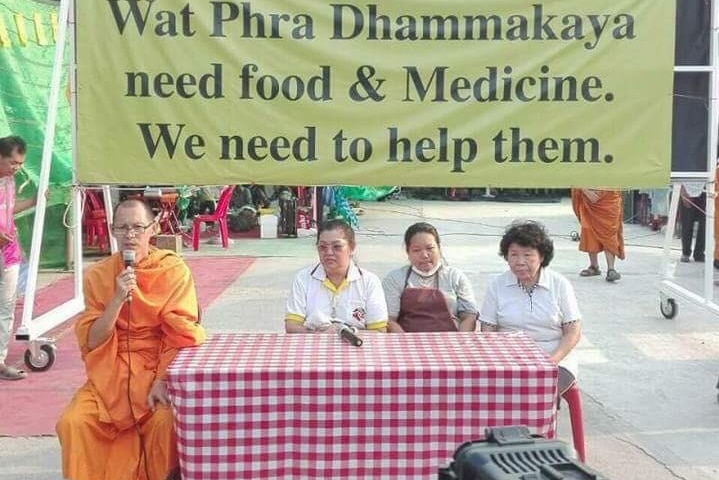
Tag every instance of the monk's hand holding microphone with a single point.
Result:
(126, 282)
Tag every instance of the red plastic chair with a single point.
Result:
(574, 401)
(167, 218)
(220, 216)
(95, 220)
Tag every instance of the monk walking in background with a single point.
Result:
(119, 425)
(600, 215)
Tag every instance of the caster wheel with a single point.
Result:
(43, 361)
(574, 236)
(669, 308)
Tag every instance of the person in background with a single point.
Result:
(335, 290)
(427, 295)
(532, 298)
(600, 215)
(692, 210)
(12, 157)
(119, 425)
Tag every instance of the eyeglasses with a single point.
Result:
(335, 247)
(134, 229)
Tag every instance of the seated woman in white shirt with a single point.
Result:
(534, 299)
(335, 290)
(427, 295)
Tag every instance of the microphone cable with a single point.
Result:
(143, 453)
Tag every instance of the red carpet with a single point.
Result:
(32, 406)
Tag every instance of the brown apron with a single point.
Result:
(424, 309)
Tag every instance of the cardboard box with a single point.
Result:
(169, 242)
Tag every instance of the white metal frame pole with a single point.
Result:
(667, 268)
(668, 288)
(711, 156)
(77, 204)
(47, 148)
(30, 330)
(109, 213)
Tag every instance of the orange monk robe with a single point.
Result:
(601, 222)
(98, 435)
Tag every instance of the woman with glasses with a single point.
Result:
(335, 291)
(427, 295)
(532, 298)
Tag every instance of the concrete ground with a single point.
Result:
(650, 402)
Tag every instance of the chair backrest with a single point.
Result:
(93, 200)
(223, 204)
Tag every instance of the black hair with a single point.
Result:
(337, 224)
(420, 227)
(529, 234)
(10, 144)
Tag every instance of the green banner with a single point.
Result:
(503, 93)
(27, 49)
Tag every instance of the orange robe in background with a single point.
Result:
(100, 439)
(601, 222)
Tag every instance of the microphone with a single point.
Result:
(128, 259)
(348, 334)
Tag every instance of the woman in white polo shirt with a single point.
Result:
(534, 299)
(335, 289)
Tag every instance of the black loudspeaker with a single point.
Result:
(511, 453)
(288, 217)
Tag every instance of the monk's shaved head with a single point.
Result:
(133, 226)
(135, 202)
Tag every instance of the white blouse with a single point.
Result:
(540, 314)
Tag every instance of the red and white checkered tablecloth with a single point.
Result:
(273, 406)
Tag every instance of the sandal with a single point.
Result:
(590, 271)
(613, 275)
(11, 373)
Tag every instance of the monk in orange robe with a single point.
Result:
(119, 425)
(600, 215)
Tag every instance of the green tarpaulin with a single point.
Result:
(367, 193)
(27, 49)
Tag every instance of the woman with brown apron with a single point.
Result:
(428, 296)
